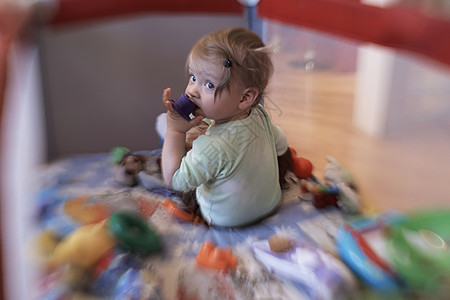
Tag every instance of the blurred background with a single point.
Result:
(383, 114)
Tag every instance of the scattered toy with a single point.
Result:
(219, 258)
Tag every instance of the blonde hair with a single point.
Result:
(242, 54)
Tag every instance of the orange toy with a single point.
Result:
(181, 214)
(219, 258)
(84, 212)
(302, 166)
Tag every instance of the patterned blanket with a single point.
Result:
(79, 194)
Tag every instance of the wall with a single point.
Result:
(103, 81)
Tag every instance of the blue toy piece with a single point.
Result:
(369, 264)
(124, 279)
(129, 286)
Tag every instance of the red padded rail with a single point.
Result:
(395, 27)
(77, 10)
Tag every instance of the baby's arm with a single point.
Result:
(280, 140)
(174, 141)
(283, 154)
(172, 153)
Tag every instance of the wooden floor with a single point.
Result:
(315, 110)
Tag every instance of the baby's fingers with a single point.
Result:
(196, 121)
(166, 96)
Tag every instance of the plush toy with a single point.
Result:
(132, 168)
(340, 177)
(338, 188)
(128, 165)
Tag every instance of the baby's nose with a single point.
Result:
(193, 98)
(193, 93)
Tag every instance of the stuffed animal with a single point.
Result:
(338, 189)
(129, 166)
(338, 176)
(132, 168)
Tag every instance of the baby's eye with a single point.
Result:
(210, 85)
(192, 78)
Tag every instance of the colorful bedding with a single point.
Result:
(82, 192)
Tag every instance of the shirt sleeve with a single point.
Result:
(280, 140)
(200, 165)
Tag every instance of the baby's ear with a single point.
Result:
(248, 98)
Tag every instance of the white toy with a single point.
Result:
(338, 176)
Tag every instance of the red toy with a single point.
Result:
(301, 166)
(324, 195)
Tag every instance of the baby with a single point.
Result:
(233, 167)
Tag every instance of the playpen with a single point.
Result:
(88, 76)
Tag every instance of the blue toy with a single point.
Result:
(369, 260)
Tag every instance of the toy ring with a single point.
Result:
(133, 233)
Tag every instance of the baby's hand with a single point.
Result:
(175, 122)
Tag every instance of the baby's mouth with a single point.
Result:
(197, 111)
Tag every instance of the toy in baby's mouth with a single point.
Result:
(184, 106)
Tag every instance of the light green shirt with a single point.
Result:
(234, 168)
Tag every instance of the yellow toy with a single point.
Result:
(84, 247)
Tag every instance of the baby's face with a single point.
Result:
(204, 79)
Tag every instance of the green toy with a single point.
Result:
(420, 250)
(133, 234)
(117, 154)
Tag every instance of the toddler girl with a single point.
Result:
(233, 167)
